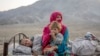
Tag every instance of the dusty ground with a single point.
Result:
(7, 31)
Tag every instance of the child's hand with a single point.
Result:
(52, 33)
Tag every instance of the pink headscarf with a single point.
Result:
(46, 37)
(54, 16)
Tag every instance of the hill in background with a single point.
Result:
(74, 11)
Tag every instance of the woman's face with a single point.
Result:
(58, 18)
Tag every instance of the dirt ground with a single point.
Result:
(75, 31)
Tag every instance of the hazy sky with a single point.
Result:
(11, 4)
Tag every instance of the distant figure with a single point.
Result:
(46, 37)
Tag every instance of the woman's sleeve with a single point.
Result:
(62, 48)
(66, 36)
(45, 37)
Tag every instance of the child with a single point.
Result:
(56, 37)
(24, 47)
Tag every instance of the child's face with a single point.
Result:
(26, 42)
(55, 30)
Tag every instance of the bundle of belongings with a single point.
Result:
(86, 46)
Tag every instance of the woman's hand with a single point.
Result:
(45, 51)
(54, 47)
(48, 50)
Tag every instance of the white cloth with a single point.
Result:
(10, 48)
(37, 43)
(22, 50)
(57, 41)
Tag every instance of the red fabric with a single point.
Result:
(46, 37)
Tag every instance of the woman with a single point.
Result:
(55, 16)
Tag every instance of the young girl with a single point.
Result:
(56, 38)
